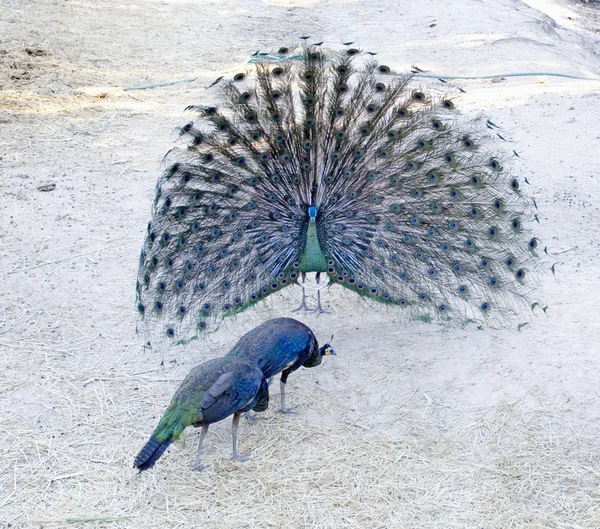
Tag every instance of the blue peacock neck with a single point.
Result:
(313, 259)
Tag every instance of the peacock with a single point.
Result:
(281, 345)
(313, 160)
(211, 392)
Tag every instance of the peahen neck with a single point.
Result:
(313, 259)
(314, 359)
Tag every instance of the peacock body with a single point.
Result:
(280, 345)
(211, 392)
(320, 161)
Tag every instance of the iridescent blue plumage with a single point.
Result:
(211, 392)
(280, 345)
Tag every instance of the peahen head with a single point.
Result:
(326, 350)
(316, 357)
(312, 213)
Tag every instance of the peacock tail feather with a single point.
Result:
(328, 162)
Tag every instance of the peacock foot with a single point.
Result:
(253, 416)
(200, 467)
(241, 458)
(303, 308)
(290, 410)
(319, 310)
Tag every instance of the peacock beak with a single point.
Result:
(329, 351)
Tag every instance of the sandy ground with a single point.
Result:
(411, 425)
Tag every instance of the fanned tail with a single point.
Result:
(414, 206)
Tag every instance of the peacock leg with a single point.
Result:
(303, 307)
(234, 427)
(282, 384)
(319, 309)
(197, 465)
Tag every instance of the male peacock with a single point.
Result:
(315, 163)
(211, 392)
(281, 345)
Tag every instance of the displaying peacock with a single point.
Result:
(321, 161)
(211, 392)
(281, 345)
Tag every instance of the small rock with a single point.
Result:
(47, 187)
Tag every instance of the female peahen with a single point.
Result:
(211, 392)
(314, 163)
(281, 345)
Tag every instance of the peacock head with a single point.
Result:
(312, 213)
(326, 350)
(317, 355)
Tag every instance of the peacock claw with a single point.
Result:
(253, 417)
(241, 458)
(289, 411)
(200, 467)
(319, 310)
(304, 309)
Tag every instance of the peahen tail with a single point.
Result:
(169, 429)
(315, 163)
(150, 454)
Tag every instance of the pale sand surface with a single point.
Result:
(411, 425)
